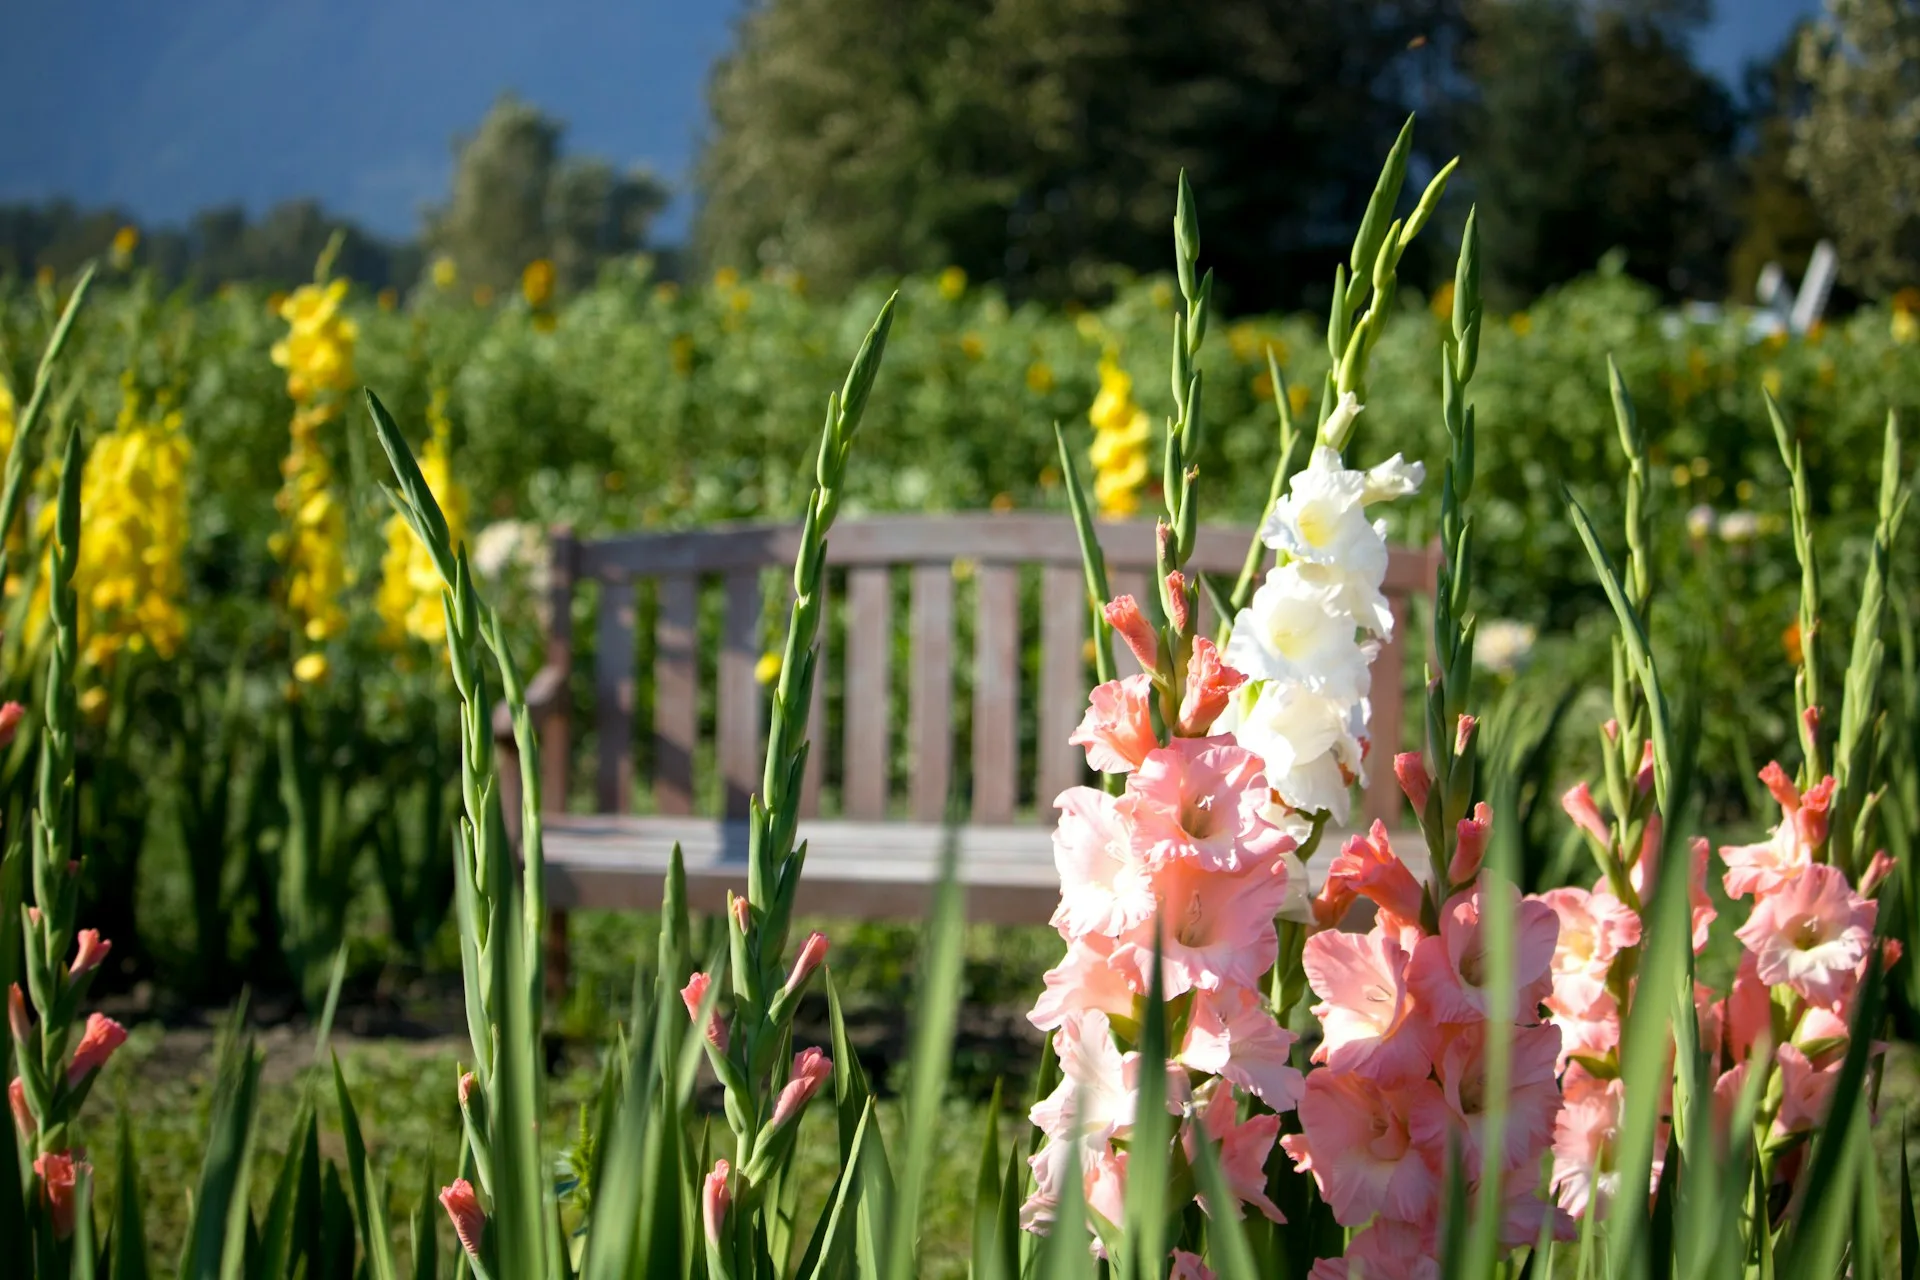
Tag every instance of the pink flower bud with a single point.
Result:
(1177, 601)
(10, 717)
(1811, 819)
(1412, 773)
(59, 1175)
(33, 916)
(466, 1086)
(463, 1208)
(715, 1200)
(1472, 847)
(1644, 778)
(97, 1043)
(17, 1015)
(1578, 802)
(1811, 719)
(1210, 684)
(1612, 729)
(742, 912)
(1876, 874)
(692, 995)
(22, 1113)
(1463, 734)
(812, 952)
(1781, 786)
(811, 1069)
(1124, 616)
(89, 950)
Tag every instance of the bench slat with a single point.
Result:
(931, 690)
(865, 690)
(738, 731)
(613, 686)
(996, 692)
(676, 692)
(1063, 681)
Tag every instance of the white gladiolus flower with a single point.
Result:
(1394, 478)
(1292, 632)
(1323, 519)
(1310, 744)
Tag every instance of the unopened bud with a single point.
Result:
(11, 715)
(89, 950)
(463, 1208)
(1810, 718)
(1876, 874)
(1471, 848)
(1612, 729)
(693, 995)
(17, 1020)
(1340, 421)
(97, 1043)
(1578, 802)
(1177, 601)
(1644, 778)
(1463, 734)
(22, 1113)
(715, 1199)
(812, 952)
(1412, 773)
(34, 917)
(811, 1069)
(466, 1087)
(1124, 616)
(742, 912)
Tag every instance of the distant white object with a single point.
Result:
(1772, 280)
(1811, 302)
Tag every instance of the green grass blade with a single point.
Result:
(323, 1032)
(369, 1215)
(1232, 1255)
(1149, 1159)
(218, 1220)
(424, 1226)
(833, 1239)
(129, 1257)
(618, 1189)
(1909, 1228)
(938, 1007)
(274, 1257)
(84, 1255)
(1008, 1238)
(986, 1195)
(1066, 1256)
(1092, 559)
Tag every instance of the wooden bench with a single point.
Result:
(873, 854)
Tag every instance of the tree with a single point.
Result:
(1595, 131)
(1858, 144)
(515, 199)
(1778, 219)
(1038, 141)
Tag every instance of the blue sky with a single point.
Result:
(168, 107)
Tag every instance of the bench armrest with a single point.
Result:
(545, 691)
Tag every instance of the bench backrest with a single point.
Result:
(979, 560)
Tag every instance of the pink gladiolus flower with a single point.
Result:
(1594, 928)
(463, 1210)
(1369, 1022)
(1086, 978)
(89, 950)
(1448, 972)
(1533, 1095)
(1399, 1250)
(813, 952)
(1107, 1186)
(1243, 1150)
(1124, 616)
(692, 995)
(1231, 1034)
(1117, 730)
(11, 715)
(17, 1019)
(97, 1043)
(1578, 802)
(22, 1113)
(1103, 1184)
(1707, 1015)
(1202, 800)
(1747, 1011)
(1806, 1091)
(59, 1175)
(715, 1199)
(1646, 873)
(1356, 1140)
(1811, 935)
(1187, 1266)
(1368, 866)
(1412, 774)
(1471, 846)
(1104, 883)
(1210, 684)
(1822, 1036)
(1583, 1140)
(1216, 926)
(1764, 867)
(1594, 1035)
(811, 1069)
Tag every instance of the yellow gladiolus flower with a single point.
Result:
(767, 669)
(952, 283)
(1441, 304)
(1122, 434)
(317, 352)
(311, 668)
(445, 274)
(536, 282)
(410, 588)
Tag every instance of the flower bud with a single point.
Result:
(811, 1069)
(59, 1175)
(1781, 786)
(715, 1200)
(1340, 421)
(1876, 874)
(693, 994)
(97, 1043)
(22, 1113)
(467, 1085)
(1124, 616)
(89, 950)
(10, 717)
(1412, 773)
(17, 1019)
(1644, 778)
(34, 917)
(1177, 601)
(463, 1208)
(1472, 846)
(1210, 685)
(1463, 734)
(812, 952)
(1612, 729)
(1578, 802)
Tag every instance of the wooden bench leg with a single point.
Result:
(556, 958)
